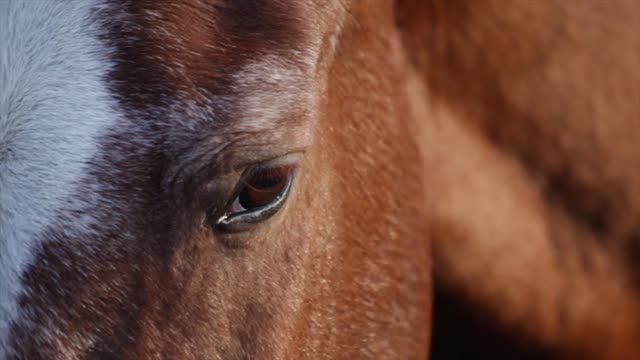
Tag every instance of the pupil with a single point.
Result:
(262, 189)
(266, 182)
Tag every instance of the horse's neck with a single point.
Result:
(530, 169)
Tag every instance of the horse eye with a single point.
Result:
(260, 195)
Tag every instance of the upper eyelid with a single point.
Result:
(292, 157)
(243, 171)
(289, 159)
(201, 164)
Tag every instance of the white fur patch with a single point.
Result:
(54, 104)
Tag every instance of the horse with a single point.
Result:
(208, 179)
(280, 179)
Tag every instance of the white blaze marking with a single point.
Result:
(54, 104)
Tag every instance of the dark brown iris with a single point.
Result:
(263, 186)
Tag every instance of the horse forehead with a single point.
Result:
(196, 52)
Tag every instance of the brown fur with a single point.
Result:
(343, 270)
(530, 142)
(510, 128)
